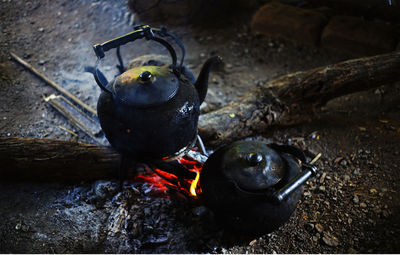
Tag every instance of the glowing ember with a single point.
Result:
(154, 180)
(160, 180)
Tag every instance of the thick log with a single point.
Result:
(35, 159)
(292, 98)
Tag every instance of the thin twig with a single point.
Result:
(316, 158)
(75, 116)
(54, 85)
(67, 130)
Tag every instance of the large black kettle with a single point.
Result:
(150, 111)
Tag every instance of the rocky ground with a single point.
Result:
(352, 206)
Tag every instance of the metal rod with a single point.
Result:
(120, 66)
(54, 85)
(294, 183)
(291, 186)
(201, 146)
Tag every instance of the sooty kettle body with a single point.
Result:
(252, 187)
(150, 111)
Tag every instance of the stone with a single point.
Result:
(319, 228)
(356, 171)
(162, 239)
(18, 226)
(291, 23)
(322, 179)
(330, 240)
(351, 251)
(385, 214)
(309, 226)
(200, 211)
(357, 36)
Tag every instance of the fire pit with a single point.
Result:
(253, 188)
(350, 207)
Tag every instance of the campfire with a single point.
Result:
(247, 184)
(160, 181)
(264, 110)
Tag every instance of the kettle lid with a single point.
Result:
(145, 86)
(252, 166)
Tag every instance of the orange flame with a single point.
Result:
(162, 180)
(193, 186)
(195, 167)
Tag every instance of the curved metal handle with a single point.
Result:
(308, 171)
(297, 181)
(140, 32)
(163, 32)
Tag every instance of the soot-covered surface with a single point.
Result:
(352, 205)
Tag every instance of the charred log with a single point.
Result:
(293, 98)
(45, 159)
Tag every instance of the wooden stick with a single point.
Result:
(75, 116)
(67, 130)
(315, 159)
(54, 85)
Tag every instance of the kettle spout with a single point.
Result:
(201, 83)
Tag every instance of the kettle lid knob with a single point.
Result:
(146, 77)
(254, 158)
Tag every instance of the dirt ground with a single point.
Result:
(352, 206)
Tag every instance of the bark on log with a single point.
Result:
(292, 98)
(35, 159)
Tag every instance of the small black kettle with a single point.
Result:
(253, 188)
(150, 111)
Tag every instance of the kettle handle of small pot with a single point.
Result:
(297, 181)
(139, 33)
(308, 171)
